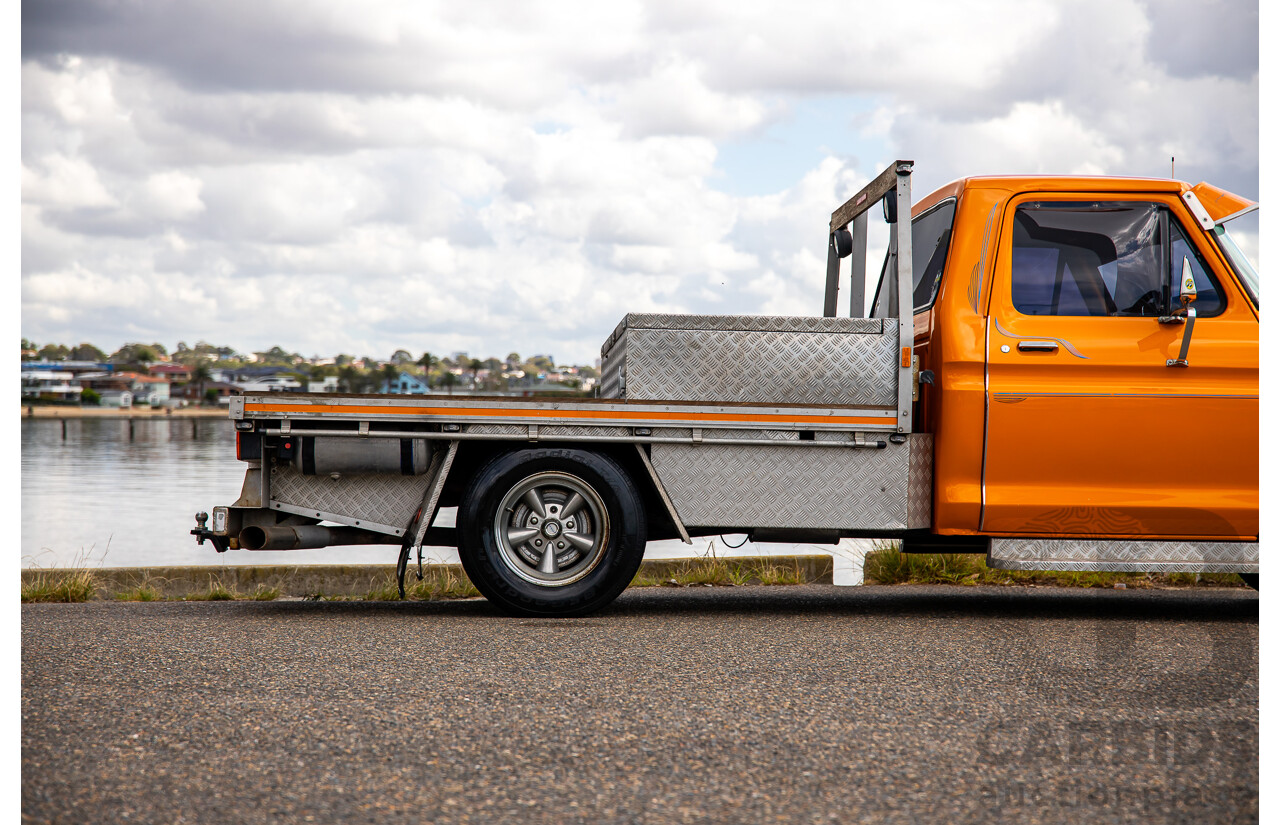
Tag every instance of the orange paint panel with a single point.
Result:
(1096, 435)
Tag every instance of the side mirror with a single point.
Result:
(890, 204)
(843, 240)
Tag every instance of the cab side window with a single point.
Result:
(930, 240)
(1099, 259)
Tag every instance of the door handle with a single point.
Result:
(1037, 346)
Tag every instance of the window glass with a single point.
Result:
(1208, 300)
(1098, 259)
(930, 240)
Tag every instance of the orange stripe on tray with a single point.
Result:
(499, 412)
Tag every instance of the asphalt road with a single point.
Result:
(810, 704)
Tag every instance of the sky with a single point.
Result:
(337, 177)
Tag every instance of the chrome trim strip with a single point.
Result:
(1066, 344)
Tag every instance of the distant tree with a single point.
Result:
(588, 372)
(492, 364)
(159, 348)
(401, 357)
(449, 380)
(90, 398)
(390, 375)
(278, 356)
(53, 352)
(475, 366)
(88, 352)
(544, 363)
(369, 363)
(200, 375)
(28, 344)
(513, 360)
(182, 347)
(426, 362)
(211, 396)
(348, 378)
(343, 360)
(133, 354)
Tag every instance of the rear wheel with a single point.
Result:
(553, 532)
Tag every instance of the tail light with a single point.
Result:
(248, 446)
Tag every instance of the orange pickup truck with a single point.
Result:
(1036, 351)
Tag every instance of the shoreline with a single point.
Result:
(133, 413)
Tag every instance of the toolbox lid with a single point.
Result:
(743, 323)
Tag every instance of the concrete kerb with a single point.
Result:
(353, 579)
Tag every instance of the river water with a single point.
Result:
(101, 497)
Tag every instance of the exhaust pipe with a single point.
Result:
(307, 536)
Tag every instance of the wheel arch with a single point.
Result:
(473, 456)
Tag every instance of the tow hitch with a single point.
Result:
(220, 543)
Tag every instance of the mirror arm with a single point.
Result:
(1181, 360)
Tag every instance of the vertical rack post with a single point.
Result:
(858, 268)
(833, 277)
(905, 313)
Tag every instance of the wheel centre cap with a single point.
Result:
(551, 529)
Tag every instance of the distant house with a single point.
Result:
(148, 390)
(170, 372)
(193, 393)
(259, 378)
(270, 383)
(329, 384)
(116, 398)
(50, 385)
(405, 384)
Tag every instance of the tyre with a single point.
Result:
(554, 532)
(1250, 579)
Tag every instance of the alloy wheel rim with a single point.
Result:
(552, 529)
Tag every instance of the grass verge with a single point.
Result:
(74, 585)
(723, 573)
(437, 583)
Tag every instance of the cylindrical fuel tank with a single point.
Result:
(321, 455)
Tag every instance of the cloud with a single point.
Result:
(335, 177)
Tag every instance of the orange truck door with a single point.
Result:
(1088, 431)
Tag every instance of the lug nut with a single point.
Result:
(560, 545)
(537, 542)
(533, 519)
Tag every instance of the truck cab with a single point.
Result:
(1061, 405)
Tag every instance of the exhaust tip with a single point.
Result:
(253, 538)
